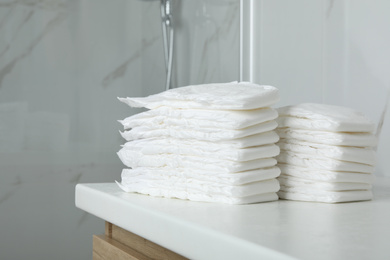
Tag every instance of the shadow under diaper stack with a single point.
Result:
(327, 153)
(212, 142)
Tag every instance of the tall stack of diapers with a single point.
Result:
(326, 153)
(212, 142)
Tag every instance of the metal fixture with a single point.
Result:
(168, 34)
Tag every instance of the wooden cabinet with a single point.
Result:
(120, 244)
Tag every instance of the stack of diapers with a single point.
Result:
(326, 154)
(212, 142)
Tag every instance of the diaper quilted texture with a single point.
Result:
(210, 143)
(326, 154)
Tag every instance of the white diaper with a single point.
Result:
(343, 153)
(202, 197)
(203, 134)
(324, 175)
(196, 118)
(330, 138)
(324, 117)
(227, 96)
(261, 139)
(199, 148)
(227, 178)
(294, 184)
(269, 137)
(203, 191)
(325, 196)
(198, 186)
(318, 163)
(135, 159)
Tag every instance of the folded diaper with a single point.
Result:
(203, 191)
(225, 119)
(198, 186)
(324, 175)
(206, 134)
(324, 117)
(228, 178)
(135, 159)
(326, 196)
(228, 96)
(200, 148)
(198, 196)
(269, 137)
(294, 184)
(314, 163)
(330, 138)
(343, 153)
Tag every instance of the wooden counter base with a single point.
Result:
(121, 244)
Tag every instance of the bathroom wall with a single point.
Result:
(63, 63)
(327, 51)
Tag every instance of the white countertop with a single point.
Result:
(273, 230)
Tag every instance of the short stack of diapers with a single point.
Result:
(326, 153)
(212, 142)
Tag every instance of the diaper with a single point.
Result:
(202, 191)
(326, 196)
(225, 96)
(261, 139)
(201, 197)
(224, 119)
(343, 153)
(198, 186)
(318, 163)
(199, 148)
(228, 178)
(324, 175)
(294, 184)
(330, 138)
(134, 159)
(205, 134)
(324, 117)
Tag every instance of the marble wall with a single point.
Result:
(63, 63)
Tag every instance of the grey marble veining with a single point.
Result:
(50, 25)
(121, 70)
(209, 34)
(330, 8)
(83, 219)
(4, 50)
(213, 43)
(77, 178)
(7, 195)
(5, 17)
